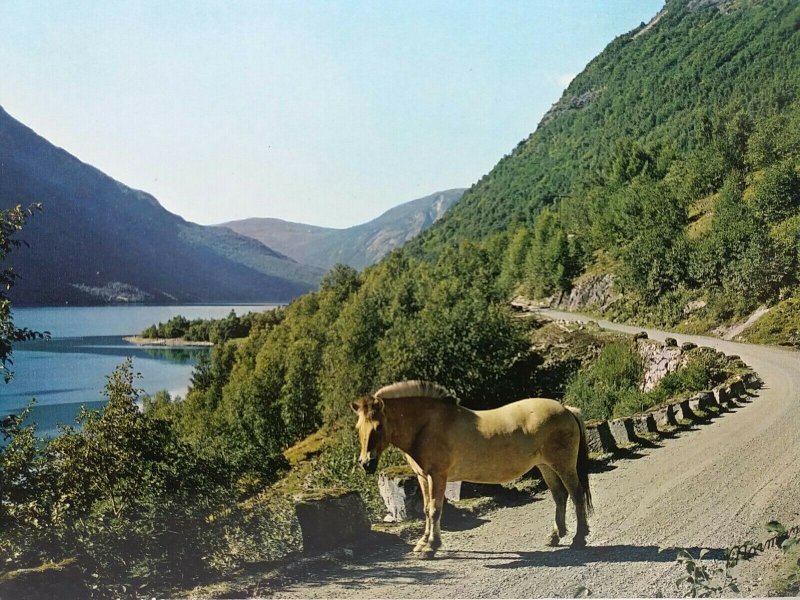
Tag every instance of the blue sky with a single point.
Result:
(320, 112)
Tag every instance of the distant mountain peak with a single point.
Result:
(358, 246)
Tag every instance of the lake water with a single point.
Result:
(70, 369)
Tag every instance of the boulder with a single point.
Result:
(684, 411)
(643, 424)
(738, 389)
(622, 431)
(400, 491)
(331, 518)
(664, 417)
(670, 342)
(751, 380)
(686, 346)
(642, 335)
(599, 438)
(50, 580)
(721, 395)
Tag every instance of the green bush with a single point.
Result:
(612, 379)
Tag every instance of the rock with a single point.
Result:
(641, 335)
(643, 424)
(693, 306)
(684, 411)
(329, 519)
(50, 580)
(686, 346)
(737, 389)
(752, 381)
(401, 494)
(720, 394)
(664, 417)
(452, 491)
(622, 431)
(593, 291)
(658, 361)
(599, 438)
(670, 342)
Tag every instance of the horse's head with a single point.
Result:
(371, 429)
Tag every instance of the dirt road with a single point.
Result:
(708, 488)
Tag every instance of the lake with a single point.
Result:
(86, 345)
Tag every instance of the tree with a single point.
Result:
(12, 220)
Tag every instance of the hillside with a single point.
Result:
(664, 185)
(664, 85)
(357, 246)
(99, 241)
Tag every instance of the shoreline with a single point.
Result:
(143, 341)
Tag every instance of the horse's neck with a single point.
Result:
(408, 416)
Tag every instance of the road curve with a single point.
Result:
(707, 488)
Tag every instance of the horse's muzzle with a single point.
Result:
(370, 465)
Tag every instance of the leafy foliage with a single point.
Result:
(11, 222)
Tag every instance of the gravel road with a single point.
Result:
(712, 487)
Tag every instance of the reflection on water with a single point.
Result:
(87, 345)
(177, 355)
(63, 373)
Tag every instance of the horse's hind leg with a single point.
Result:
(570, 478)
(560, 495)
(425, 489)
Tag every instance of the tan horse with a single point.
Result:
(443, 441)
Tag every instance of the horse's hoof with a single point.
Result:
(578, 544)
(552, 540)
(435, 544)
(418, 548)
(427, 553)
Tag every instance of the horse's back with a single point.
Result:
(503, 443)
(526, 416)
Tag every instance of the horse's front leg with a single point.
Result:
(436, 484)
(425, 489)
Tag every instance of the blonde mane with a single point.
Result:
(416, 389)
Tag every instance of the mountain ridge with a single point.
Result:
(359, 245)
(95, 235)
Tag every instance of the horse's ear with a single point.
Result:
(355, 405)
(378, 402)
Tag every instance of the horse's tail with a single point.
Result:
(583, 459)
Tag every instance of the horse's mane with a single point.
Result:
(417, 389)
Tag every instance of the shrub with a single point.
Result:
(612, 378)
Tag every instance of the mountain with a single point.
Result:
(664, 185)
(665, 85)
(357, 246)
(98, 241)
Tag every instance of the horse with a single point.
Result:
(444, 441)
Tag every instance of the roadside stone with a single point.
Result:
(684, 411)
(670, 342)
(622, 431)
(738, 389)
(401, 494)
(643, 424)
(330, 519)
(686, 346)
(752, 381)
(642, 335)
(599, 438)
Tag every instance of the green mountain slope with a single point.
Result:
(99, 241)
(357, 246)
(662, 85)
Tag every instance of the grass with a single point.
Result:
(701, 214)
(786, 582)
(779, 327)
